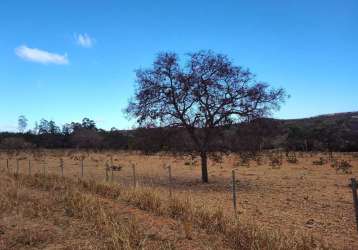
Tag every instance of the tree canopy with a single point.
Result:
(204, 93)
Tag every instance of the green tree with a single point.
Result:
(22, 123)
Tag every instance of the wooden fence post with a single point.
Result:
(29, 167)
(112, 168)
(106, 169)
(355, 199)
(61, 166)
(7, 165)
(17, 166)
(112, 174)
(134, 176)
(82, 168)
(170, 181)
(44, 168)
(234, 192)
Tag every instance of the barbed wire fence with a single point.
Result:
(109, 172)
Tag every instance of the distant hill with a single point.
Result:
(349, 119)
(328, 117)
(337, 130)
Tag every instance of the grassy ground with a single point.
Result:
(292, 199)
(60, 213)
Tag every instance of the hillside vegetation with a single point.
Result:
(334, 132)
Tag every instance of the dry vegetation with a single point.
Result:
(285, 202)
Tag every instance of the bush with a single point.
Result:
(343, 166)
(291, 158)
(319, 162)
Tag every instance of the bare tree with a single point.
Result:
(205, 93)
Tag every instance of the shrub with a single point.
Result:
(291, 158)
(343, 166)
(275, 161)
(319, 162)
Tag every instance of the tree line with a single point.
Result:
(260, 134)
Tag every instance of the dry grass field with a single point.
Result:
(282, 204)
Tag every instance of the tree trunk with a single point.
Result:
(204, 167)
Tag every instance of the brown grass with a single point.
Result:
(84, 201)
(111, 229)
(298, 206)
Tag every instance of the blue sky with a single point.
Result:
(65, 60)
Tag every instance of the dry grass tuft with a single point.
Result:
(144, 198)
(114, 232)
(83, 200)
(29, 238)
